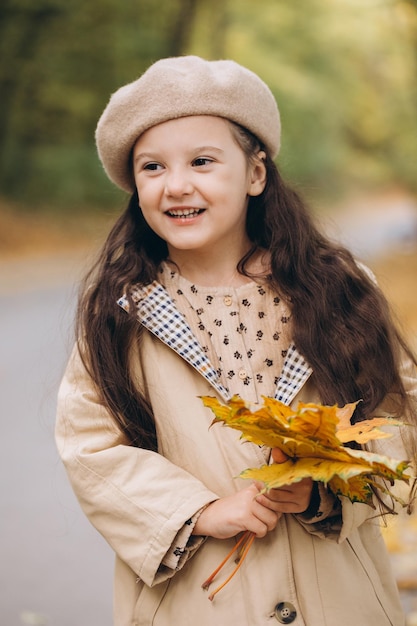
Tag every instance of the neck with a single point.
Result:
(219, 271)
(208, 269)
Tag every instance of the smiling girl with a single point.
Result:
(194, 183)
(215, 281)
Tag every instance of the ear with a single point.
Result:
(257, 180)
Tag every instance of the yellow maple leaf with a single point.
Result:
(312, 438)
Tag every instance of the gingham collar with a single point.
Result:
(157, 313)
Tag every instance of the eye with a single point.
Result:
(152, 167)
(201, 161)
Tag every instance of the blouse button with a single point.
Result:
(242, 374)
(227, 300)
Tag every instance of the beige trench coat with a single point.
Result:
(307, 574)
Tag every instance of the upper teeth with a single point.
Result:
(183, 212)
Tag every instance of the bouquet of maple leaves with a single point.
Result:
(312, 438)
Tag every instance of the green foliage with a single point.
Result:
(344, 77)
(343, 74)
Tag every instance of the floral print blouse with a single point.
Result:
(244, 331)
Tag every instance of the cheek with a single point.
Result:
(146, 197)
(148, 215)
(143, 203)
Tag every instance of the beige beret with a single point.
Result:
(179, 87)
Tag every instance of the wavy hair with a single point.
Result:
(341, 320)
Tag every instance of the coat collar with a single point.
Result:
(158, 314)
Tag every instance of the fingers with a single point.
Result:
(264, 514)
(264, 520)
(238, 512)
(278, 456)
(293, 498)
(251, 510)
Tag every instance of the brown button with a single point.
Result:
(227, 300)
(242, 374)
(285, 612)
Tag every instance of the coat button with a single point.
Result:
(242, 374)
(285, 612)
(228, 300)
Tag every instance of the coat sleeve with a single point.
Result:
(138, 500)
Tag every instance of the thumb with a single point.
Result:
(278, 455)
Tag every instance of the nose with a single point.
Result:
(178, 183)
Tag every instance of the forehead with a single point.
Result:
(195, 128)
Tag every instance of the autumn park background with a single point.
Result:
(344, 73)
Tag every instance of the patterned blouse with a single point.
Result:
(244, 331)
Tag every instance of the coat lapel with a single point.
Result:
(158, 313)
(295, 372)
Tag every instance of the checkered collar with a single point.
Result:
(158, 314)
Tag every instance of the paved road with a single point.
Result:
(55, 568)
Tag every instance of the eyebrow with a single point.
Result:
(203, 148)
(197, 150)
(144, 155)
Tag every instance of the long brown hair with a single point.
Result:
(341, 320)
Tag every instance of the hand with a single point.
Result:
(244, 510)
(293, 498)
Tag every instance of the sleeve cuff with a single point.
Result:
(323, 504)
(184, 545)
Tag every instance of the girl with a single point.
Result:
(215, 282)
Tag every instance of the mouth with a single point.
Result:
(184, 213)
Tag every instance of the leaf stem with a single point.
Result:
(242, 546)
(206, 584)
(245, 549)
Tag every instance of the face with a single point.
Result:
(194, 182)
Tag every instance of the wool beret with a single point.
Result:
(178, 87)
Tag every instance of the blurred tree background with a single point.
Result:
(343, 72)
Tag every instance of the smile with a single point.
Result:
(189, 212)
